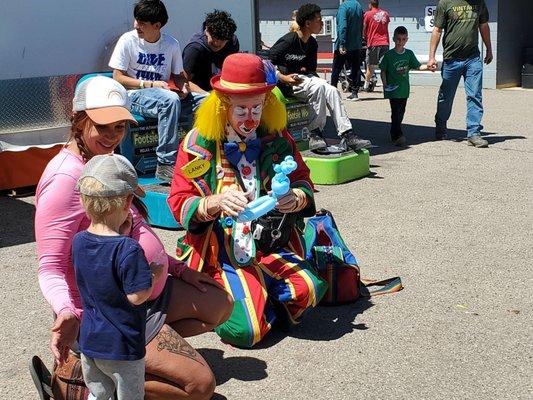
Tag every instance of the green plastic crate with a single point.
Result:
(332, 170)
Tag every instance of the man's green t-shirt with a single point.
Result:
(460, 20)
(396, 67)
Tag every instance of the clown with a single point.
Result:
(226, 161)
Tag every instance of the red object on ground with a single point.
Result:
(24, 168)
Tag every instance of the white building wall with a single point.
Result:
(62, 37)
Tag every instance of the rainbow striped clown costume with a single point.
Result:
(264, 287)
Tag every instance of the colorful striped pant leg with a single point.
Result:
(252, 315)
(282, 277)
(296, 285)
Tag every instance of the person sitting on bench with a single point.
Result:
(207, 50)
(295, 55)
(143, 61)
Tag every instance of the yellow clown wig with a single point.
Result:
(212, 115)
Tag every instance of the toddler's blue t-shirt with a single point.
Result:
(108, 268)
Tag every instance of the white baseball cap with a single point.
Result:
(103, 99)
(114, 172)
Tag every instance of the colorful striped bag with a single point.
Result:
(326, 250)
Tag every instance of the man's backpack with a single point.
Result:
(326, 250)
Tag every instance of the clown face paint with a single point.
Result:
(244, 113)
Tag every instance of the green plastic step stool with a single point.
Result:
(335, 169)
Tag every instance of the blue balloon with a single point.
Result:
(257, 208)
(281, 184)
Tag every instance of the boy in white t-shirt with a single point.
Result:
(144, 61)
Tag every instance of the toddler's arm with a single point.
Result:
(141, 296)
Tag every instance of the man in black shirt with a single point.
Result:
(295, 56)
(204, 54)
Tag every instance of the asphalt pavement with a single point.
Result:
(455, 222)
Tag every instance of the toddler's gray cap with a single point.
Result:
(114, 172)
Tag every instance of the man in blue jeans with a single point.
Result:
(461, 20)
(144, 60)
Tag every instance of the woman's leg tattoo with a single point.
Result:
(168, 339)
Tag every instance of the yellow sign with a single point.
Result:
(195, 168)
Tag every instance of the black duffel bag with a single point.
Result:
(273, 230)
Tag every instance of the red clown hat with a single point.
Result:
(244, 73)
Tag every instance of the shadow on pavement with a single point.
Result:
(331, 322)
(218, 396)
(365, 99)
(240, 368)
(378, 133)
(323, 323)
(500, 139)
(17, 222)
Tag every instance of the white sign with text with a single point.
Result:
(429, 18)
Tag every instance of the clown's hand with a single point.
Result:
(294, 201)
(231, 202)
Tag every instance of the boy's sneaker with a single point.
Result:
(351, 140)
(366, 86)
(353, 97)
(477, 141)
(164, 172)
(399, 142)
(316, 141)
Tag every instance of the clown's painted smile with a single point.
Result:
(245, 113)
(247, 118)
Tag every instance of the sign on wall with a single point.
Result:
(329, 27)
(429, 18)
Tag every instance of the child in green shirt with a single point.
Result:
(395, 66)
